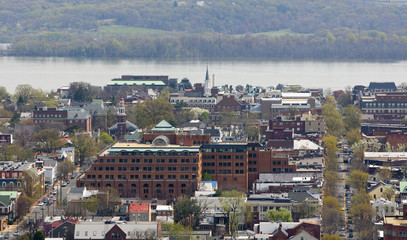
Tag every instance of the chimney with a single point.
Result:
(213, 80)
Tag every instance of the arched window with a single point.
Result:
(108, 185)
(171, 185)
(145, 185)
(183, 185)
(158, 185)
(133, 185)
(121, 185)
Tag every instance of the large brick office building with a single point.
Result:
(164, 171)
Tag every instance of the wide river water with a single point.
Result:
(52, 73)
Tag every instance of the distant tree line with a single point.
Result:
(340, 44)
(324, 29)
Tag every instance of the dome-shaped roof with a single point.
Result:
(161, 141)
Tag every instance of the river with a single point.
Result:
(52, 73)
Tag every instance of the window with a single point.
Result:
(77, 233)
(86, 233)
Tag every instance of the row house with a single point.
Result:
(11, 174)
(68, 117)
(6, 138)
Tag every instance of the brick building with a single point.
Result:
(395, 227)
(6, 138)
(68, 117)
(157, 170)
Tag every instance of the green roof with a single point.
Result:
(12, 194)
(5, 200)
(135, 83)
(163, 126)
(97, 101)
(403, 185)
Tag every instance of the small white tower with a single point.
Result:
(207, 88)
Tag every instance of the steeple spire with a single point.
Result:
(207, 87)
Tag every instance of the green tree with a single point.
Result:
(351, 117)
(233, 204)
(332, 117)
(48, 140)
(331, 209)
(24, 91)
(65, 167)
(358, 179)
(177, 231)
(206, 176)
(282, 215)
(187, 212)
(364, 213)
(353, 136)
(164, 94)
(85, 146)
(26, 236)
(151, 112)
(91, 204)
(330, 186)
(3, 93)
(38, 235)
(331, 237)
(105, 139)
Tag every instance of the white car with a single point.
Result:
(41, 204)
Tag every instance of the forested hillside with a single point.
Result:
(321, 29)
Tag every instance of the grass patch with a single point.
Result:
(278, 33)
(125, 31)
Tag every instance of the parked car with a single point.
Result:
(63, 184)
(41, 204)
(16, 233)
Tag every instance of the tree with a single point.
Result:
(151, 112)
(206, 176)
(358, 179)
(332, 117)
(3, 93)
(65, 167)
(48, 140)
(91, 204)
(187, 212)
(353, 136)
(385, 173)
(351, 117)
(233, 205)
(361, 198)
(85, 146)
(388, 193)
(177, 231)
(105, 139)
(38, 235)
(164, 94)
(331, 237)
(282, 215)
(23, 204)
(330, 186)
(331, 209)
(23, 92)
(364, 213)
(26, 236)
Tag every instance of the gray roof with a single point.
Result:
(299, 196)
(382, 85)
(76, 191)
(78, 114)
(93, 230)
(213, 132)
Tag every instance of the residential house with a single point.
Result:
(379, 190)
(140, 212)
(384, 207)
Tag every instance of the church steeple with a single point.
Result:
(207, 88)
(121, 121)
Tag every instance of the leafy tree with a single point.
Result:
(65, 167)
(151, 112)
(23, 205)
(332, 117)
(105, 139)
(358, 179)
(351, 117)
(233, 205)
(38, 235)
(282, 215)
(388, 193)
(23, 93)
(361, 198)
(85, 146)
(26, 236)
(91, 204)
(187, 212)
(206, 176)
(364, 225)
(3, 93)
(385, 173)
(330, 186)
(15, 119)
(331, 209)
(48, 140)
(164, 94)
(177, 231)
(331, 237)
(253, 133)
(353, 136)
